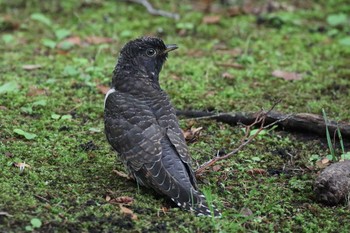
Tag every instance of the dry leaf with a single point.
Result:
(325, 161)
(182, 32)
(211, 19)
(322, 163)
(8, 23)
(8, 154)
(234, 11)
(209, 94)
(122, 200)
(73, 40)
(227, 75)
(21, 166)
(257, 171)
(216, 168)
(108, 198)
(98, 40)
(128, 212)
(31, 67)
(34, 91)
(103, 89)
(286, 75)
(203, 5)
(122, 174)
(175, 77)
(192, 134)
(3, 108)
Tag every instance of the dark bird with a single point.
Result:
(141, 125)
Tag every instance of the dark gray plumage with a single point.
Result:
(142, 127)
(332, 186)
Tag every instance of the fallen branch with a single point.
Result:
(259, 119)
(302, 122)
(154, 11)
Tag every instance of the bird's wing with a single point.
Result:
(132, 130)
(175, 135)
(169, 121)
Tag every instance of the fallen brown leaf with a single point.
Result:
(21, 165)
(122, 174)
(122, 200)
(286, 75)
(322, 163)
(182, 32)
(103, 89)
(98, 40)
(203, 5)
(227, 75)
(234, 11)
(128, 212)
(35, 91)
(216, 168)
(8, 23)
(257, 171)
(31, 67)
(8, 154)
(4, 108)
(211, 19)
(175, 77)
(325, 161)
(73, 40)
(192, 134)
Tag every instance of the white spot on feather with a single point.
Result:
(108, 93)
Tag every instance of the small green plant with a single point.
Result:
(209, 197)
(332, 156)
(59, 33)
(11, 86)
(28, 136)
(329, 141)
(344, 155)
(35, 223)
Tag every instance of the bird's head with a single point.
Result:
(142, 58)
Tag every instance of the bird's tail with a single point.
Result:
(182, 193)
(197, 204)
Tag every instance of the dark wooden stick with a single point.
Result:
(302, 122)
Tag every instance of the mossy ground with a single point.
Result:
(70, 161)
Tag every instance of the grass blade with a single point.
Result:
(329, 141)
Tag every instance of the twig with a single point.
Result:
(154, 11)
(41, 198)
(260, 119)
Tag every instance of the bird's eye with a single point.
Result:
(151, 52)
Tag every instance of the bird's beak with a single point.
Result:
(170, 47)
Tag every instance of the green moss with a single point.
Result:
(71, 163)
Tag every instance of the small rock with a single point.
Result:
(332, 186)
